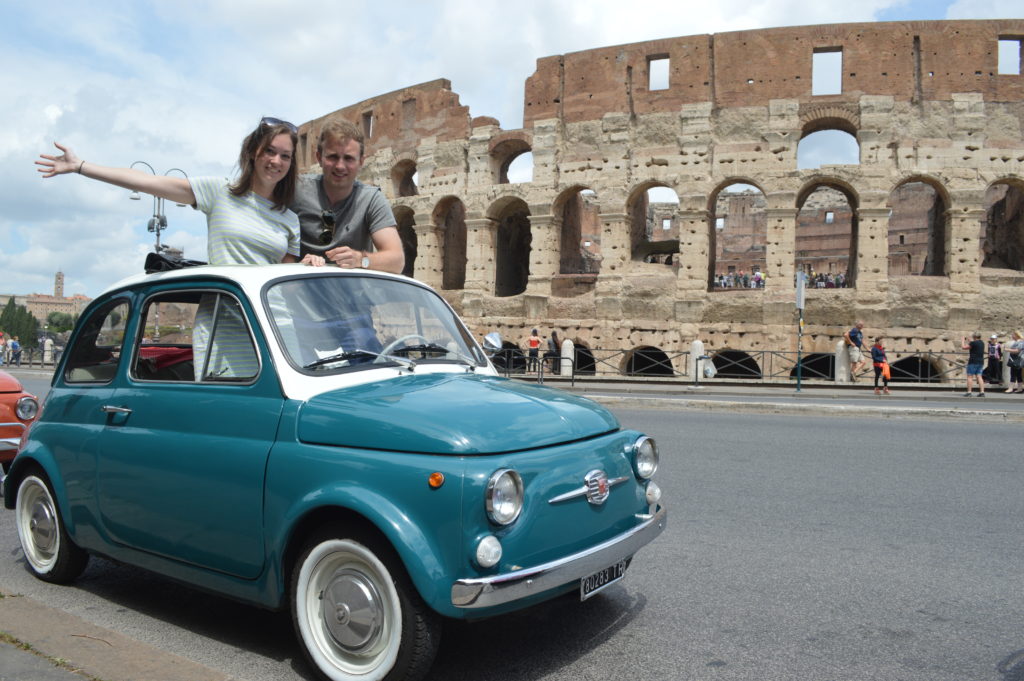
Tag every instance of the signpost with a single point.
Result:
(801, 286)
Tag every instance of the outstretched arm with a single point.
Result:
(175, 189)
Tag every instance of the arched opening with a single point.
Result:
(816, 365)
(512, 160)
(827, 146)
(648, 361)
(826, 237)
(403, 178)
(738, 238)
(406, 220)
(1002, 242)
(583, 359)
(654, 225)
(914, 369)
(512, 248)
(917, 231)
(580, 233)
(450, 220)
(735, 364)
(510, 358)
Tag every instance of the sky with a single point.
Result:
(178, 85)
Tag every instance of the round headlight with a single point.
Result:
(27, 408)
(504, 496)
(645, 457)
(488, 551)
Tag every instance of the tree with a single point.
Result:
(60, 321)
(16, 320)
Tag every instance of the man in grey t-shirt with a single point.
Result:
(342, 219)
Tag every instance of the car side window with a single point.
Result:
(194, 336)
(96, 354)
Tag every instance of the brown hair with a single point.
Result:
(254, 145)
(339, 130)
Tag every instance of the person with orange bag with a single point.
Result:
(881, 365)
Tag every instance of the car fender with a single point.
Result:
(426, 536)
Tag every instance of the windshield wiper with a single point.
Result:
(434, 347)
(351, 354)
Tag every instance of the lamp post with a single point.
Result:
(158, 222)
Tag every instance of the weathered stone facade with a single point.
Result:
(924, 100)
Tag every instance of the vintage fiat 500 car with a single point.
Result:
(17, 409)
(333, 442)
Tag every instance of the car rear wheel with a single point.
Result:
(49, 552)
(357, 615)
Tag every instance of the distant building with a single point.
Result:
(41, 305)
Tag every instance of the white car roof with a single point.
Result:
(250, 277)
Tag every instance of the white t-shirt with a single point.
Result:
(244, 230)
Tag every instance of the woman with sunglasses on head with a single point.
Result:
(248, 221)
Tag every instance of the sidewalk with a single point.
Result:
(83, 650)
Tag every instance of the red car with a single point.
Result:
(17, 410)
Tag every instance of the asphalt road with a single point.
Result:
(798, 547)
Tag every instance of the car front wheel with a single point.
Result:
(49, 552)
(357, 615)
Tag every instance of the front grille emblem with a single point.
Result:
(597, 487)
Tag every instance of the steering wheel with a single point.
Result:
(390, 347)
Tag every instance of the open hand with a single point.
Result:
(67, 162)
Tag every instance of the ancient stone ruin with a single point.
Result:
(921, 234)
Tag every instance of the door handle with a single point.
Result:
(115, 410)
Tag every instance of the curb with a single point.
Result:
(90, 650)
(683, 403)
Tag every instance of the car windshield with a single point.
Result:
(328, 324)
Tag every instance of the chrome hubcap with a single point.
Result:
(352, 611)
(42, 525)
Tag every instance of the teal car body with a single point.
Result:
(290, 436)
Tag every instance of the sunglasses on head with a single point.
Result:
(268, 120)
(327, 233)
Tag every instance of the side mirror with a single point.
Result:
(492, 341)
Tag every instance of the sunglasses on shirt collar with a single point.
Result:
(326, 234)
(268, 120)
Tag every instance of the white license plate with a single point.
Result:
(593, 583)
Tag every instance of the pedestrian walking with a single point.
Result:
(975, 363)
(881, 365)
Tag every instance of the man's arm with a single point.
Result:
(389, 257)
(846, 337)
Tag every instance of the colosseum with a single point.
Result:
(667, 204)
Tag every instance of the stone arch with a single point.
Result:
(403, 178)
(506, 148)
(915, 369)
(918, 230)
(827, 226)
(737, 246)
(510, 358)
(512, 245)
(820, 122)
(647, 360)
(576, 214)
(405, 219)
(583, 358)
(1002, 234)
(449, 218)
(819, 117)
(820, 365)
(647, 240)
(735, 364)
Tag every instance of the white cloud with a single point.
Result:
(179, 85)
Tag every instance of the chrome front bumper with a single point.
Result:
(484, 592)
